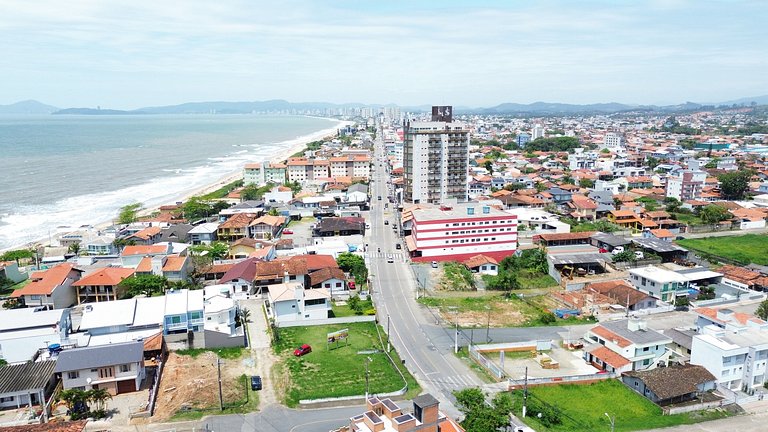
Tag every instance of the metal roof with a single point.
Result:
(611, 239)
(100, 356)
(586, 258)
(25, 376)
(658, 245)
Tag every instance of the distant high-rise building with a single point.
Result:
(687, 184)
(523, 139)
(612, 140)
(436, 159)
(538, 132)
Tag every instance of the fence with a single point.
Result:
(693, 407)
(493, 369)
(569, 379)
(326, 321)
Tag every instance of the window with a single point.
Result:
(94, 370)
(73, 374)
(6, 399)
(125, 368)
(646, 349)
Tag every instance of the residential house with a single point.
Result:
(331, 278)
(102, 284)
(622, 293)
(739, 277)
(176, 233)
(266, 227)
(252, 248)
(27, 384)
(582, 207)
(117, 368)
(623, 218)
(291, 302)
(727, 319)
(278, 194)
(343, 226)
(10, 270)
(665, 285)
(220, 313)
(559, 195)
(184, 312)
(147, 236)
(131, 256)
(52, 287)
(384, 415)
(101, 245)
(204, 234)
(235, 227)
(482, 264)
(117, 321)
(625, 345)
(737, 357)
(24, 331)
(241, 277)
(357, 194)
(172, 267)
(662, 234)
(673, 384)
(750, 218)
(639, 182)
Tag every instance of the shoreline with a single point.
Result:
(300, 144)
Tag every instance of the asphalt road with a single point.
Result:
(425, 347)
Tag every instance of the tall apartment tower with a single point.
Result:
(436, 159)
(538, 132)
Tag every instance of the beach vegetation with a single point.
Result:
(223, 191)
(198, 208)
(128, 213)
(17, 255)
(255, 192)
(146, 284)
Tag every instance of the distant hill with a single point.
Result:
(95, 111)
(27, 107)
(760, 100)
(274, 105)
(555, 108)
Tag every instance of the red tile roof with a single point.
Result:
(611, 336)
(609, 357)
(45, 282)
(109, 276)
(144, 250)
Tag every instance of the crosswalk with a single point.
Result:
(397, 256)
(452, 382)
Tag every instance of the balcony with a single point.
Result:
(176, 326)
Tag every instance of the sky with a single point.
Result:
(129, 54)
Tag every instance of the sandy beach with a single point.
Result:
(299, 145)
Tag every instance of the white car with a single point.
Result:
(617, 250)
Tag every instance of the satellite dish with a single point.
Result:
(88, 380)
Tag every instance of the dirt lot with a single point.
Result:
(192, 382)
(468, 307)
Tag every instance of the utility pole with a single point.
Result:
(367, 360)
(488, 325)
(221, 395)
(456, 343)
(389, 346)
(525, 392)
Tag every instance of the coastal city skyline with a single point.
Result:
(127, 57)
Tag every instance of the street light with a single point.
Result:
(367, 361)
(389, 338)
(612, 420)
(455, 311)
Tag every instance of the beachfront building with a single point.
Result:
(459, 232)
(354, 166)
(436, 160)
(52, 287)
(264, 172)
(102, 285)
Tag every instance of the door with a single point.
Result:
(126, 386)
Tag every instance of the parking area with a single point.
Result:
(569, 362)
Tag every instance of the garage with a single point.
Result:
(126, 386)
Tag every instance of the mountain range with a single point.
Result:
(276, 105)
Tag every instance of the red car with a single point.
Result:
(300, 351)
(287, 232)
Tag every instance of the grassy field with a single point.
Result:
(688, 218)
(583, 408)
(225, 353)
(531, 280)
(337, 371)
(11, 288)
(749, 248)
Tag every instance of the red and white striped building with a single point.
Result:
(459, 232)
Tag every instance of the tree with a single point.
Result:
(17, 255)
(626, 256)
(673, 204)
(714, 213)
(99, 397)
(255, 192)
(505, 281)
(482, 417)
(549, 144)
(243, 316)
(146, 284)
(652, 162)
(734, 184)
(196, 208)
(762, 310)
(128, 213)
(74, 248)
(586, 183)
(489, 166)
(76, 401)
(354, 265)
(706, 293)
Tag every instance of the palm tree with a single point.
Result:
(75, 399)
(99, 397)
(244, 316)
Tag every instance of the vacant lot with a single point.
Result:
(583, 408)
(470, 308)
(189, 388)
(336, 370)
(750, 248)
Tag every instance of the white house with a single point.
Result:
(625, 345)
(204, 233)
(279, 194)
(29, 383)
(737, 357)
(482, 264)
(52, 287)
(25, 331)
(660, 283)
(117, 368)
(291, 302)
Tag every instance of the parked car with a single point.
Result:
(287, 232)
(386, 222)
(398, 246)
(434, 264)
(379, 197)
(390, 259)
(639, 255)
(617, 250)
(302, 350)
(255, 382)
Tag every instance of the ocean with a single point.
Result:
(60, 172)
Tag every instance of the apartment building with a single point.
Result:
(687, 184)
(737, 357)
(659, 283)
(459, 232)
(436, 160)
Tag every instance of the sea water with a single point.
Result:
(60, 172)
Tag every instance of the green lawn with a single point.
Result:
(337, 371)
(583, 408)
(11, 288)
(225, 353)
(749, 248)
(532, 280)
(687, 218)
(342, 311)
(223, 191)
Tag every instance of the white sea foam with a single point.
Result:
(32, 223)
